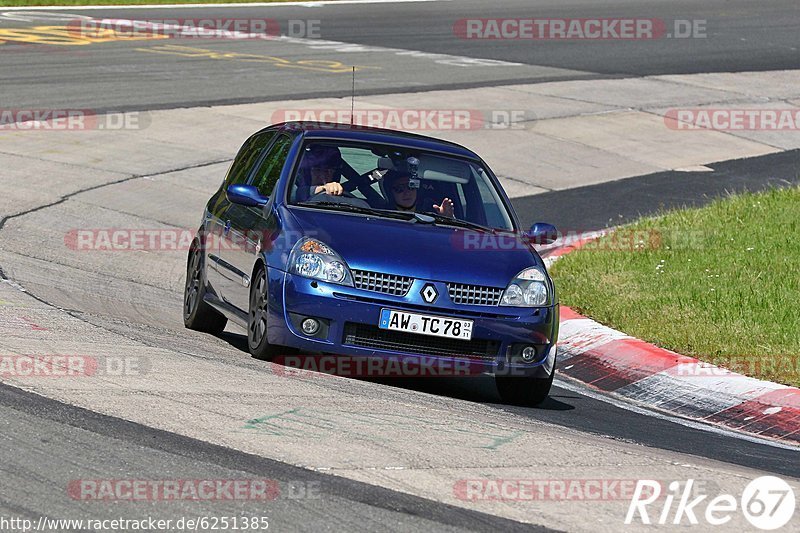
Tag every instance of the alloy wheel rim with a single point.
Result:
(192, 285)
(258, 314)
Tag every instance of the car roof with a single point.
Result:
(350, 132)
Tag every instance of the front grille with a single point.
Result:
(367, 336)
(380, 282)
(474, 294)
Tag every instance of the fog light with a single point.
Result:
(528, 354)
(310, 326)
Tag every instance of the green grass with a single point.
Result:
(720, 283)
(6, 3)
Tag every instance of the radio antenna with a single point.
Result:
(353, 97)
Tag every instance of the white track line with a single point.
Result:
(254, 4)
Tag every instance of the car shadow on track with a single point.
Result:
(237, 340)
(479, 388)
(475, 389)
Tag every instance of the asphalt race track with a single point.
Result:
(362, 455)
(740, 36)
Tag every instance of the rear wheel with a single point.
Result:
(197, 314)
(523, 391)
(257, 341)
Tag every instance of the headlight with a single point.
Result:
(311, 258)
(529, 288)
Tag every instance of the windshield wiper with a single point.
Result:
(443, 220)
(359, 209)
(427, 218)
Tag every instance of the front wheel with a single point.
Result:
(523, 391)
(257, 341)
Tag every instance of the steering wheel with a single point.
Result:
(344, 194)
(345, 198)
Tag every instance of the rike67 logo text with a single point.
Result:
(767, 502)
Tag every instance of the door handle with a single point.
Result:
(227, 227)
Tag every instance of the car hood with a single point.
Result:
(420, 250)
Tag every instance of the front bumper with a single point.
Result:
(350, 317)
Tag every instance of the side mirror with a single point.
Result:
(542, 233)
(246, 195)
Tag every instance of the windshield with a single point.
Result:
(388, 178)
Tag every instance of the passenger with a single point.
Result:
(320, 172)
(404, 198)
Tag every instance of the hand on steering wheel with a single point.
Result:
(333, 188)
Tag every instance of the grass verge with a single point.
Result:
(720, 283)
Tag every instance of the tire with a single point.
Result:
(257, 341)
(523, 391)
(197, 313)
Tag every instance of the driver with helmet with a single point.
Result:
(402, 196)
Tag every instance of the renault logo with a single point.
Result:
(429, 293)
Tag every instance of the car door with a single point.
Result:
(250, 228)
(220, 275)
(214, 223)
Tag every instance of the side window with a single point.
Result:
(268, 173)
(247, 157)
(490, 210)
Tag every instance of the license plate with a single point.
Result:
(437, 326)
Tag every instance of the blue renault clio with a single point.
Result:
(371, 243)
